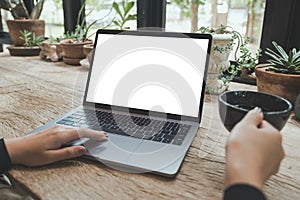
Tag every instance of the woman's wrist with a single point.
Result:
(12, 149)
(237, 174)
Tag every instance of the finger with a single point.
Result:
(93, 134)
(268, 127)
(253, 117)
(70, 134)
(65, 153)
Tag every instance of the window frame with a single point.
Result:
(280, 24)
(282, 27)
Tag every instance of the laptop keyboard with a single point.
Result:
(131, 126)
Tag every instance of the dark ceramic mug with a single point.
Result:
(234, 105)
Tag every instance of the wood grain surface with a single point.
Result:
(33, 92)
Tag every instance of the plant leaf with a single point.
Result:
(274, 56)
(19, 11)
(271, 53)
(4, 4)
(128, 7)
(131, 17)
(123, 4)
(116, 23)
(117, 9)
(37, 10)
(280, 50)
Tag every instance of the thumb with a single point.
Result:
(66, 153)
(254, 116)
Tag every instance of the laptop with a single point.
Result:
(146, 90)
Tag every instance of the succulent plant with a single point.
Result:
(30, 40)
(282, 62)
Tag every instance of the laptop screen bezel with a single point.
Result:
(152, 34)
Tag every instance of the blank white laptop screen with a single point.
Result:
(163, 74)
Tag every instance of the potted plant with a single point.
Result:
(31, 45)
(23, 20)
(73, 49)
(242, 68)
(123, 16)
(222, 45)
(281, 75)
(246, 61)
(72, 45)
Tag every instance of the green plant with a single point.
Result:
(227, 75)
(53, 40)
(244, 64)
(222, 29)
(19, 10)
(246, 60)
(30, 39)
(282, 62)
(123, 12)
(82, 28)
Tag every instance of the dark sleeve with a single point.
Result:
(243, 192)
(5, 162)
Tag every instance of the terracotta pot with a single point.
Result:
(284, 85)
(74, 50)
(72, 61)
(87, 48)
(15, 26)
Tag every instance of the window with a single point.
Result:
(101, 13)
(98, 12)
(54, 18)
(245, 17)
(281, 22)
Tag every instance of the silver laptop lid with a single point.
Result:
(158, 72)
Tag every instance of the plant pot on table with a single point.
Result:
(73, 51)
(88, 51)
(24, 51)
(284, 85)
(218, 61)
(15, 27)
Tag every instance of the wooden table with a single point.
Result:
(34, 92)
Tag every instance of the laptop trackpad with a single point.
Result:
(116, 148)
(155, 156)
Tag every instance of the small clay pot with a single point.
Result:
(72, 61)
(74, 50)
(33, 25)
(87, 48)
